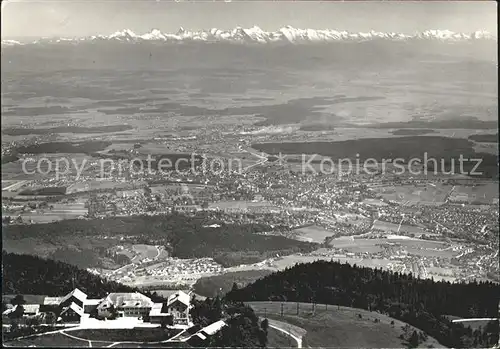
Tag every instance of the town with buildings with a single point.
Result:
(456, 217)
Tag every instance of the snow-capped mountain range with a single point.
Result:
(256, 35)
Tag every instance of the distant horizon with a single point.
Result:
(75, 18)
(23, 38)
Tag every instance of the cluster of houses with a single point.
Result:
(75, 307)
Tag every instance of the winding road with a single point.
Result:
(290, 330)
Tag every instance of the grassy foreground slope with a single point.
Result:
(52, 340)
(332, 326)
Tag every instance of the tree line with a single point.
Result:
(243, 328)
(182, 236)
(422, 303)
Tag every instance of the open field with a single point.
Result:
(374, 202)
(84, 186)
(241, 205)
(129, 338)
(61, 211)
(396, 228)
(50, 217)
(483, 193)
(54, 340)
(312, 234)
(168, 293)
(414, 246)
(332, 326)
(356, 245)
(118, 335)
(57, 211)
(145, 251)
(415, 195)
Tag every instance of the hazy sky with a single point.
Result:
(89, 17)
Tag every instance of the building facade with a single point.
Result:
(75, 306)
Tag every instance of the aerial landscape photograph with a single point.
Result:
(238, 173)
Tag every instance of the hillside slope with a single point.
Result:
(25, 274)
(86, 241)
(420, 303)
(211, 286)
(332, 326)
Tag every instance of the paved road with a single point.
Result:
(297, 339)
(290, 330)
(476, 319)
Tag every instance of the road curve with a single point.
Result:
(290, 330)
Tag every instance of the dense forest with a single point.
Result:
(317, 127)
(65, 129)
(9, 158)
(243, 327)
(407, 147)
(412, 131)
(184, 237)
(64, 147)
(446, 150)
(485, 138)
(25, 274)
(471, 123)
(158, 162)
(211, 286)
(421, 303)
(49, 191)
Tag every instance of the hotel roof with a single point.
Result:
(213, 328)
(10, 310)
(179, 296)
(75, 307)
(52, 300)
(158, 309)
(31, 308)
(75, 293)
(129, 300)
